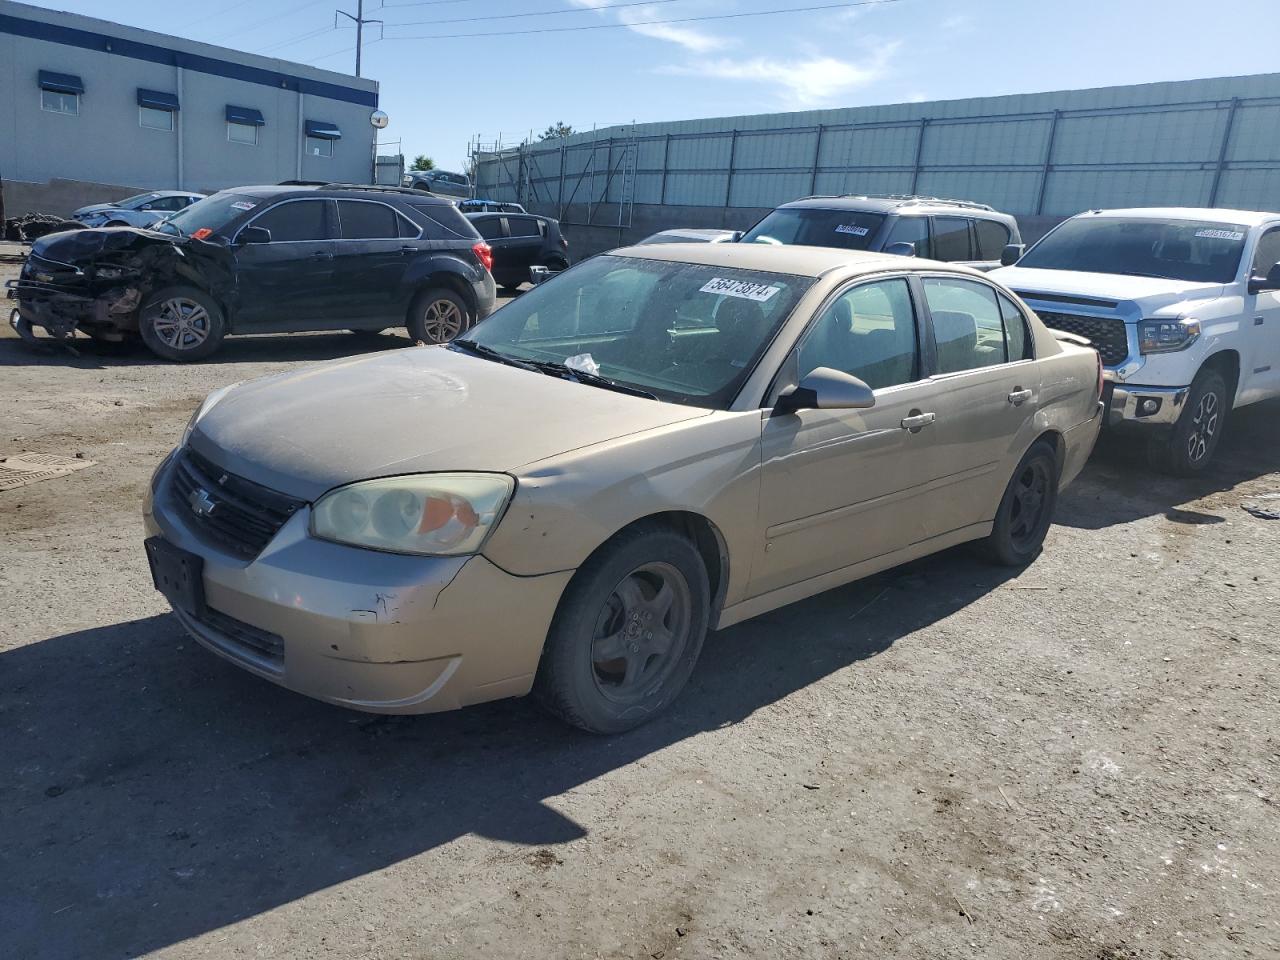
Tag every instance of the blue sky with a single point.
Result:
(442, 92)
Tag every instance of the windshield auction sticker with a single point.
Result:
(759, 292)
(1220, 234)
(243, 205)
(853, 229)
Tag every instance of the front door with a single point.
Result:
(1260, 373)
(842, 486)
(288, 283)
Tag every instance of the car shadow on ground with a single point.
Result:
(153, 793)
(1118, 486)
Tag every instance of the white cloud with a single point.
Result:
(807, 82)
(635, 18)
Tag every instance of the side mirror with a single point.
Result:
(737, 235)
(540, 274)
(254, 235)
(1271, 281)
(901, 249)
(1012, 253)
(826, 389)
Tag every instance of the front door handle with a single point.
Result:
(917, 420)
(322, 255)
(1019, 397)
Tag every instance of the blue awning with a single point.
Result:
(245, 115)
(323, 130)
(157, 100)
(61, 82)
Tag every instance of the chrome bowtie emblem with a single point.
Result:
(200, 503)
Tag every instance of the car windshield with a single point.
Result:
(682, 332)
(846, 229)
(211, 213)
(1202, 251)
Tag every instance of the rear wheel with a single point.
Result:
(627, 633)
(437, 316)
(1026, 510)
(182, 323)
(1188, 448)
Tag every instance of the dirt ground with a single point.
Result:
(941, 762)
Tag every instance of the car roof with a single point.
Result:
(870, 203)
(1217, 214)
(328, 192)
(791, 259)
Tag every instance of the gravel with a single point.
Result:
(944, 761)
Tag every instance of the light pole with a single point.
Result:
(359, 21)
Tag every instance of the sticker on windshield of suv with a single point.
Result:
(243, 205)
(853, 229)
(1220, 234)
(759, 292)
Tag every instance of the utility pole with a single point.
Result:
(359, 20)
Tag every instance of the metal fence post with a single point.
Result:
(1047, 168)
(1222, 151)
(728, 181)
(915, 169)
(560, 194)
(666, 152)
(817, 157)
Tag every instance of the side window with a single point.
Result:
(490, 227)
(967, 325)
(870, 332)
(411, 231)
(992, 238)
(167, 203)
(1268, 253)
(1017, 339)
(295, 220)
(913, 230)
(366, 221)
(951, 239)
(523, 227)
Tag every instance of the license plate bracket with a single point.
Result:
(177, 573)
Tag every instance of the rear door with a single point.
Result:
(370, 258)
(1262, 374)
(986, 369)
(951, 240)
(289, 283)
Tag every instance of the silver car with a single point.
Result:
(656, 442)
(142, 210)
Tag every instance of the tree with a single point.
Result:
(556, 130)
(422, 162)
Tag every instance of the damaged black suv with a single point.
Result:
(263, 260)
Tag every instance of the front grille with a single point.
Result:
(235, 513)
(1107, 334)
(235, 633)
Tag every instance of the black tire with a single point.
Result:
(1026, 509)
(437, 316)
(161, 323)
(1187, 449)
(615, 604)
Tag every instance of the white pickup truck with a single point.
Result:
(1182, 304)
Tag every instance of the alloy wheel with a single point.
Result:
(181, 323)
(1026, 511)
(1204, 425)
(641, 633)
(442, 320)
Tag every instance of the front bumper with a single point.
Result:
(1153, 406)
(372, 631)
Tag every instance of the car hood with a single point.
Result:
(83, 246)
(417, 410)
(95, 208)
(1150, 292)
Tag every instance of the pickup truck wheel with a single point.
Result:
(1188, 448)
(1026, 510)
(627, 633)
(181, 323)
(437, 316)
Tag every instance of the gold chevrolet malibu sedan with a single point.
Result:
(658, 442)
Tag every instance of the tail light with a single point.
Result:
(485, 253)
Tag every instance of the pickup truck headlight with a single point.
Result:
(430, 514)
(1167, 336)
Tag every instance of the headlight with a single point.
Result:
(432, 514)
(205, 407)
(1167, 336)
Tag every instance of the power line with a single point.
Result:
(288, 43)
(257, 23)
(650, 23)
(218, 13)
(536, 13)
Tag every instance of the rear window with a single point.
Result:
(524, 227)
(992, 238)
(490, 227)
(845, 229)
(366, 221)
(951, 239)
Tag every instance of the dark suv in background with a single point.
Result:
(521, 241)
(956, 231)
(268, 259)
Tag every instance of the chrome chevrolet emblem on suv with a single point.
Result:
(200, 503)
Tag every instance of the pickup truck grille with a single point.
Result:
(1107, 334)
(235, 513)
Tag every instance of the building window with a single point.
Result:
(154, 119)
(242, 133)
(319, 147)
(55, 101)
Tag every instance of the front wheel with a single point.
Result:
(182, 323)
(1187, 449)
(437, 316)
(1026, 510)
(627, 633)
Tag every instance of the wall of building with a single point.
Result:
(107, 144)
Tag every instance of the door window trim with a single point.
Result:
(329, 216)
(997, 292)
(338, 226)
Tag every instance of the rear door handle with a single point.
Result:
(1020, 397)
(322, 255)
(917, 421)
